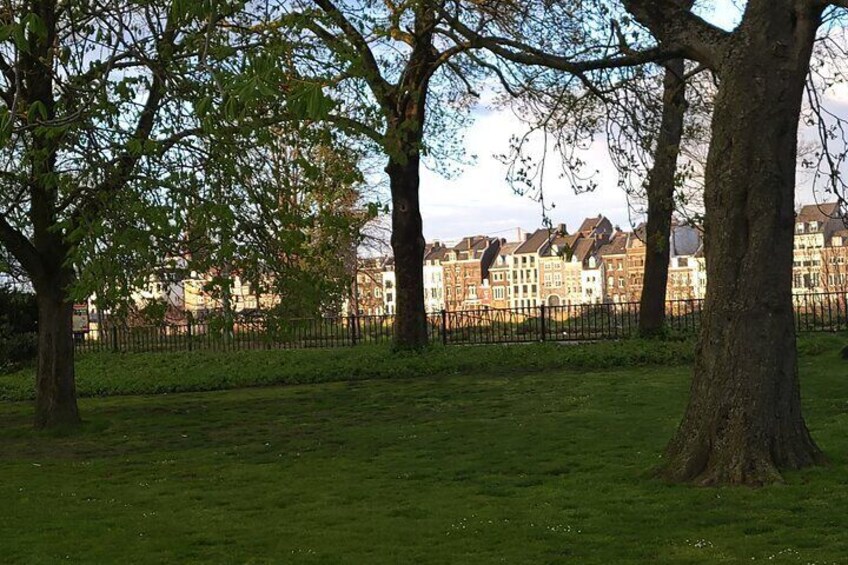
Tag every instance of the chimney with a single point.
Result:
(518, 233)
(562, 229)
(527, 236)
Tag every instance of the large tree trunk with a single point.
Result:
(56, 400)
(743, 423)
(660, 192)
(408, 247)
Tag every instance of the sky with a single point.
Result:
(481, 201)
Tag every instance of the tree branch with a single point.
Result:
(357, 127)
(678, 29)
(525, 54)
(381, 88)
(20, 247)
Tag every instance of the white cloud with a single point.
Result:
(481, 201)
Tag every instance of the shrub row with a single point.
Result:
(105, 374)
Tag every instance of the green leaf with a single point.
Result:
(36, 26)
(36, 110)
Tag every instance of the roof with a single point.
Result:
(509, 247)
(616, 246)
(584, 249)
(553, 247)
(373, 263)
(435, 252)
(472, 247)
(818, 212)
(828, 216)
(637, 236)
(590, 226)
(535, 242)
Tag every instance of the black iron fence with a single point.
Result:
(588, 322)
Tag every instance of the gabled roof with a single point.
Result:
(818, 212)
(535, 242)
(584, 249)
(509, 247)
(472, 247)
(594, 226)
(616, 246)
(559, 244)
(435, 252)
(829, 217)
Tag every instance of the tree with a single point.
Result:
(743, 423)
(596, 93)
(660, 188)
(281, 209)
(96, 102)
(398, 79)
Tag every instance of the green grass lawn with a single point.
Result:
(546, 467)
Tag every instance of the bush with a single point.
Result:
(18, 327)
(18, 312)
(17, 351)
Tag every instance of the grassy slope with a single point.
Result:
(471, 469)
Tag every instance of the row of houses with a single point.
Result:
(597, 263)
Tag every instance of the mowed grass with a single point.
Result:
(549, 467)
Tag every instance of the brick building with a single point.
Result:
(614, 256)
(466, 272)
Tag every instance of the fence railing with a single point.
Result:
(588, 322)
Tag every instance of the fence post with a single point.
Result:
(115, 339)
(351, 322)
(189, 336)
(444, 327)
(543, 325)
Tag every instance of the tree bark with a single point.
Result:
(743, 423)
(56, 400)
(660, 192)
(408, 248)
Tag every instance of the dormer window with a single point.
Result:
(814, 226)
(799, 227)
